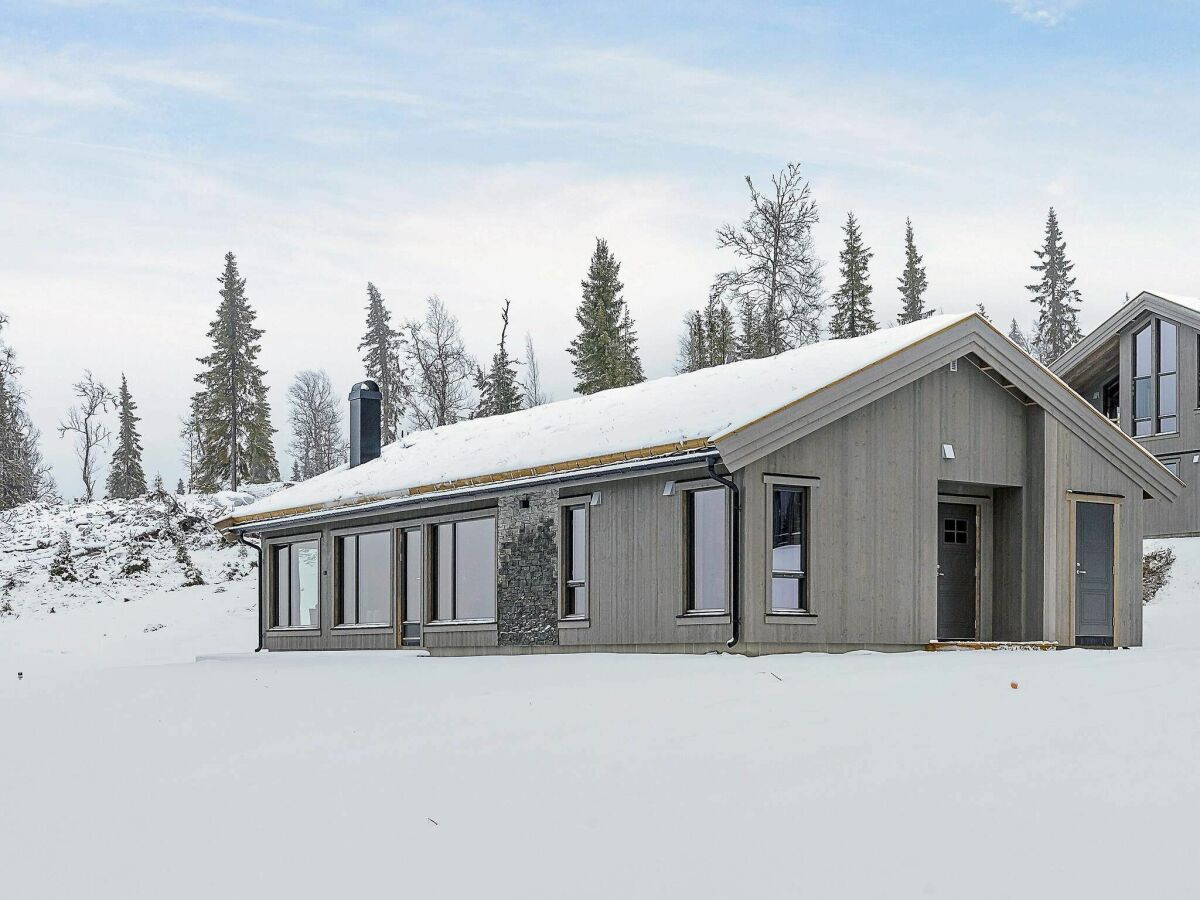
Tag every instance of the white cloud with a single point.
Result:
(1042, 13)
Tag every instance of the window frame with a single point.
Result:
(801, 576)
(271, 547)
(431, 548)
(336, 599)
(566, 505)
(1155, 376)
(686, 492)
(400, 553)
(1169, 462)
(808, 616)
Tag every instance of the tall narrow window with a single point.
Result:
(364, 578)
(295, 575)
(411, 585)
(706, 562)
(464, 555)
(1143, 367)
(575, 560)
(789, 518)
(1168, 379)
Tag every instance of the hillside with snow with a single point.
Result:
(130, 768)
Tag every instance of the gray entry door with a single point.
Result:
(1095, 582)
(957, 555)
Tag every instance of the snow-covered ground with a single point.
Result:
(129, 769)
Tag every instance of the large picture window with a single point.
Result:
(464, 570)
(1156, 379)
(704, 527)
(364, 578)
(575, 562)
(789, 536)
(295, 577)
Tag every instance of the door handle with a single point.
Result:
(1080, 571)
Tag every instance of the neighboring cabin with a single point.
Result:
(926, 482)
(1140, 369)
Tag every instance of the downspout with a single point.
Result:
(735, 549)
(257, 548)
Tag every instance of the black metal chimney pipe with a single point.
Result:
(365, 411)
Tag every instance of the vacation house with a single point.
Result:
(929, 482)
(1140, 368)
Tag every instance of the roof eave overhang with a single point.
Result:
(687, 457)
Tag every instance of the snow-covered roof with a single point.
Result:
(654, 418)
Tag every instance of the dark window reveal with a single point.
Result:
(575, 558)
(789, 527)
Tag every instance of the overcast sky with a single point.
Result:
(476, 151)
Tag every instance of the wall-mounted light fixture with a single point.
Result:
(669, 489)
(595, 501)
(947, 451)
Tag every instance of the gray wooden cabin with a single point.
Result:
(1141, 369)
(950, 489)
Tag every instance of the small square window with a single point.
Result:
(954, 531)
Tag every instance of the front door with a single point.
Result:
(1095, 580)
(957, 560)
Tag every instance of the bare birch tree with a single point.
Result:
(318, 439)
(83, 420)
(776, 288)
(531, 384)
(442, 368)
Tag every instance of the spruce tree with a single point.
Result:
(23, 475)
(383, 349)
(499, 390)
(776, 286)
(982, 310)
(1057, 329)
(604, 353)
(853, 315)
(179, 488)
(708, 338)
(913, 282)
(231, 412)
(126, 479)
(1017, 336)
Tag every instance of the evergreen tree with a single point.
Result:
(125, 476)
(159, 488)
(708, 338)
(296, 475)
(853, 315)
(179, 488)
(913, 282)
(777, 287)
(23, 475)
(979, 308)
(232, 415)
(499, 390)
(1057, 329)
(1017, 336)
(604, 353)
(62, 565)
(383, 348)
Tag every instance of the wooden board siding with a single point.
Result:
(873, 520)
(636, 594)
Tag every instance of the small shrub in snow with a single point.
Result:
(191, 574)
(135, 560)
(62, 567)
(1156, 571)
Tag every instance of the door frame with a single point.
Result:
(983, 560)
(1072, 550)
